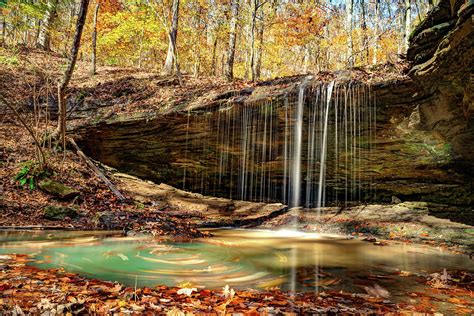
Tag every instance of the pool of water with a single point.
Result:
(239, 258)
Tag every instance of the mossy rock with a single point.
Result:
(53, 212)
(58, 189)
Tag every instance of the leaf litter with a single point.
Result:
(25, 289)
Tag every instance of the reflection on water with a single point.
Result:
(240, 258)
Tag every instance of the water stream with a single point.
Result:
(240, 258)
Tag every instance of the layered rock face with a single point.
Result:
(254, 150)
(442, 54)
(249, 144)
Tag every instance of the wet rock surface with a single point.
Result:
(408, 221)
(202, 211)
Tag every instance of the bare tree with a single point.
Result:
(376, 30)
(214, 57)
(45, 26)
(94, 39)
(4, 29)
(140, 47)
(229, 67)
(258, 68)
(171, 57)
(407, 24)
(256, 5)
(196, 22)
(62, 86)
(213, 26)
(349, 26)
(365, 40)
(39, 148)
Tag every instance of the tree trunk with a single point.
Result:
(44, 33)
(252, 39)
(94, 39)
(229, 67)
(37, 30)
(4, 30)
(25, 33)
(254, 55)
(306, 58)
(172, 36)
(407, 24)
(376, 31)
(365, 41)
(260, 50)
(222, 64)
(70, 23)
(140, 49)
(62, 86)
(214, 57)
(247, 71)
(349, 24)
(212, 33)
(197, 42)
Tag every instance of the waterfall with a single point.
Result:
(186, 149)
(296, 163)
(308, 148)
(322, 165)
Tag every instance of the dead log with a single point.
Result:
(96, 170)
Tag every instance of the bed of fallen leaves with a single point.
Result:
(26, 289)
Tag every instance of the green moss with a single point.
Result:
(58, 189)
(8, 60)
(139, 205)
(59, 212)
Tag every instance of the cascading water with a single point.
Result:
(322, 165)
(298, 135)
(307, 148)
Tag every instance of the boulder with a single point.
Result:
(54, 212)
(58, 189)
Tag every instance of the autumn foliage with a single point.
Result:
(286, 37)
